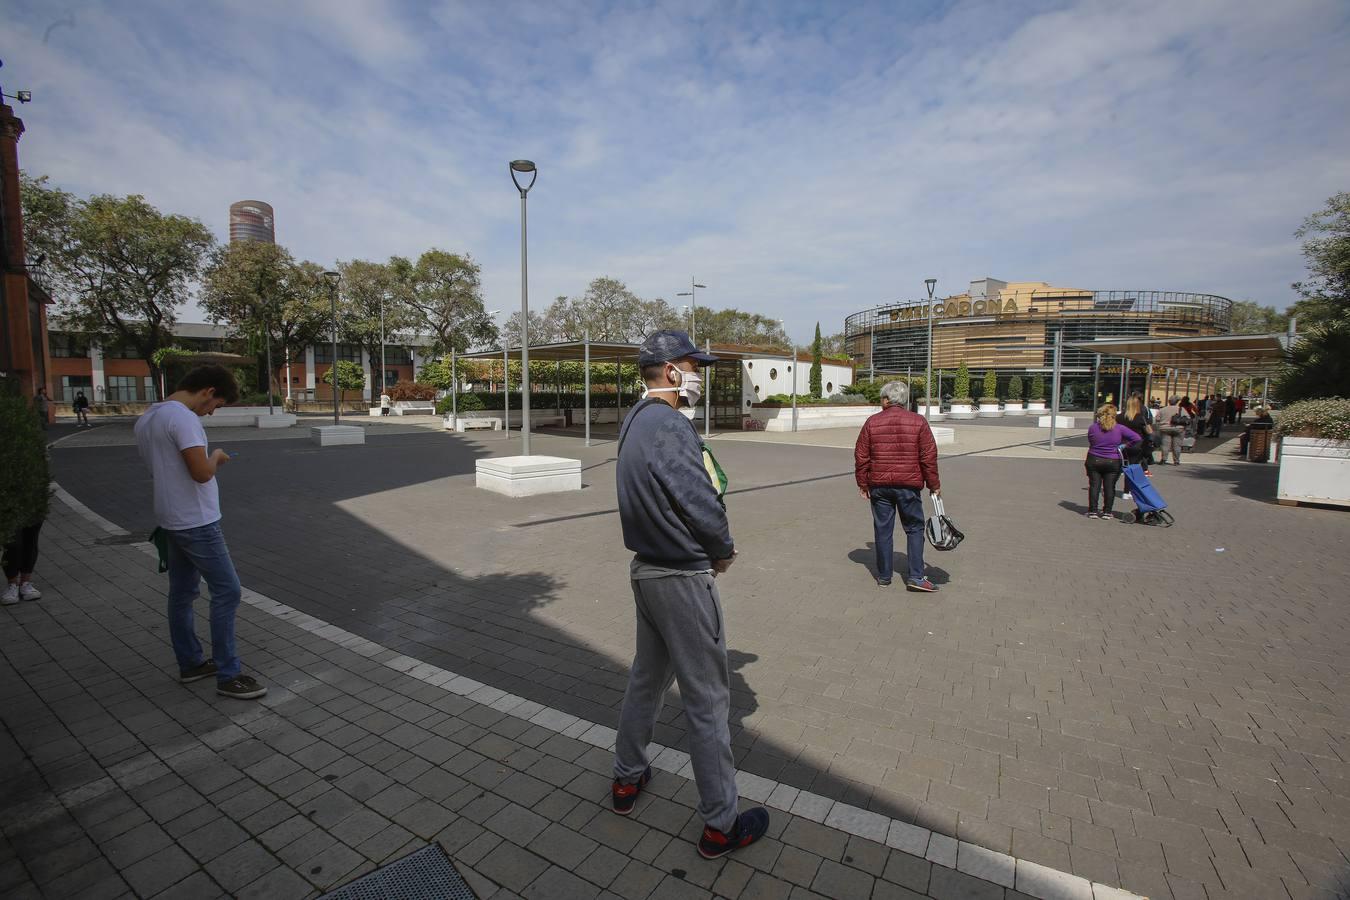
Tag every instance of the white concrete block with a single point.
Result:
(942, 850)
(943, 435)
(812, 806)
(275, 420)
(908, 838)
(985, 864)
(337, 435)
(527, 476)
(860, 822)
(990, 411)
(783, 797)
(1060, 421)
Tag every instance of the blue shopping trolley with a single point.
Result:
(1150, 507)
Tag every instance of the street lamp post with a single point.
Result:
(333, 279)
(792, 369)
(693, 302)
(930, 283)
(524, 166)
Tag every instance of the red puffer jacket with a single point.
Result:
(896, 449)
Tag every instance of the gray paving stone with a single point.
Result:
(155, 873)
(561, 846)
(560, 884)
(511, 866)
(213, 839)
(241, 866)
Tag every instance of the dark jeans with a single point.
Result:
(21, 553)
(1102, 473)
(886, 501)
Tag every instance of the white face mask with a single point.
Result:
(691, 387)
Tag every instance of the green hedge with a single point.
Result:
(540, 400)
(24, 475)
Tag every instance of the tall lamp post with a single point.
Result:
(693, 302)
(792, 368)
(930, 283)
(524, 167)
(333, 279)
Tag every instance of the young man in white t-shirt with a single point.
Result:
(187, 507)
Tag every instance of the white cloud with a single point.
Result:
(805, 161)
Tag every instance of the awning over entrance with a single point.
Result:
(1219, 356)
(602, 351)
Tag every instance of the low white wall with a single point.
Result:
(1314, 471)
(810, 418)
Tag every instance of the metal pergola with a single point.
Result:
(587, 351)
(1199, 360)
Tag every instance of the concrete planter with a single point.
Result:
(932, 413)
(962, 411)
(1035, 407)
(811, 418)
(1313, 470)
(990, 410)
(1014, 408)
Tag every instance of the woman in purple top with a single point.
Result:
(1103, 460)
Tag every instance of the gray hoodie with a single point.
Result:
(667, 504)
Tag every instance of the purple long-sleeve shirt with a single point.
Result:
(1107, 443)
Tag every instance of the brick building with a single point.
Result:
(23, 302)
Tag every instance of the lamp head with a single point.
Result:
(704, 286)
(930, 283)
(524, 167)
(332, 278)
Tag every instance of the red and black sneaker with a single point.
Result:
(625, 795)
(750, 827)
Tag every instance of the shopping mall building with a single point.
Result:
(1010, 327)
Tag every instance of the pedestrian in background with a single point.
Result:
(894, 459)
(674, 522)
(1136, 419)
(173, 445)
(1170, 425)
(1106, 435)
(1216, 415)
(81, 407)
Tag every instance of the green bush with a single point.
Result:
(961, 387)
(1327, 418)
(1038, 388)
(464, 403)
(1015, 388)
(24, 476)
(990, 387)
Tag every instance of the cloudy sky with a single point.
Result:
(803, 160)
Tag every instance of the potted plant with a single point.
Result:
(1036, 402)
(1013, 405)
(963, 406)
(1315, 452)
(926, 408)
(989, 408)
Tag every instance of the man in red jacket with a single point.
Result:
(894, 460)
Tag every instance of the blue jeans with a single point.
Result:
(885, 502)
(196, 554)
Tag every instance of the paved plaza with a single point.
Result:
(1153, 709)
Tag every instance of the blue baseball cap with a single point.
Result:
(669, 345)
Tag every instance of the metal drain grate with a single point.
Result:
(425, 874)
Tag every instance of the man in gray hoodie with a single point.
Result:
(675, 524)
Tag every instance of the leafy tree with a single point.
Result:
(1038, 388)
(371, 309)
(24, 474)
(1326, 251)
(732, 326)
(437, 371)
(1318, 364)
(816, 371)
(350, 375)
(961, 387)
(542, 330)
(444, 291)
(118, 267)
(610, 312)
(1250, 317)
(1015, 388)
(990, 386)
(832, 346)
(261, 293)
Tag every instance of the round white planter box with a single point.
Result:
(931, 413)
(1035, 407)
(990, 410)
(1014, 409)
(961, 411)
(1314, 471)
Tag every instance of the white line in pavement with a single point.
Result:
(1023, 875)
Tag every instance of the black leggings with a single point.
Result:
(21, 553)
(1102, 473)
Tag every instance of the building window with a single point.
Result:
(347, 352)
(750, 365)
(122, 389)
(149, 389)
(71, 384)
(829, 386)
(397, 356)
(121, 351)
(69, 346)
(773, 374)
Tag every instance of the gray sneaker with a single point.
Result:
(241, 687)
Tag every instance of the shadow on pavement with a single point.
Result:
(867, 558)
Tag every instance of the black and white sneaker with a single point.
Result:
(241, 687)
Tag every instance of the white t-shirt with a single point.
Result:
(163, 432)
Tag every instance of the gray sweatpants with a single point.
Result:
(680, 637)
